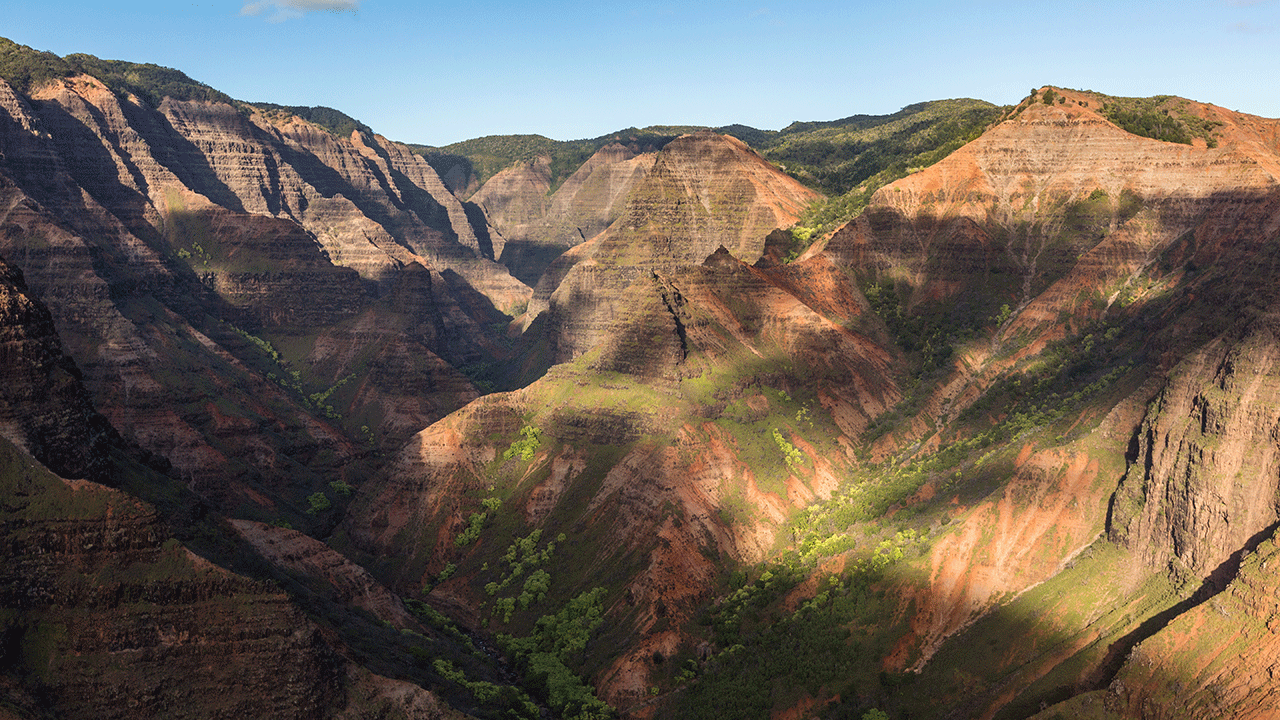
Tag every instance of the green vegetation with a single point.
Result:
(859, 152)
(771, 657)
(557, 642)
(257, 342)
(521, 557)
(1161, 118)
(335, 121)
(475, 523)
(793, 456)
(319, 503)
(487, 156)
(849, 159)
(525, 446)
(513, 700)
(291, 380)
(26, 69)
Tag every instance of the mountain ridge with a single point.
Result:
(1026, 393)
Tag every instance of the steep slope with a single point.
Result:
(102, 612)
(721, 398)
(536, 225)
(43, 406)
(1204, 482)
(105, 618)
(1072, 272)
(248, 296)
(703, 191)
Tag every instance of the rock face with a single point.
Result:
(169, 242)
(43, 406)
(104, 618)
(352, 584)
(536, 225)
(704, 191)
(1205, 477)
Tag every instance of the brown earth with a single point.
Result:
(536, 225)
(155, 235)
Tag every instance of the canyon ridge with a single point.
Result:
(962, 412)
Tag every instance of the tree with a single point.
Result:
(319, 503)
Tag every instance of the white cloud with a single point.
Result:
(290, 9)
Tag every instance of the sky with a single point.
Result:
(434, 73)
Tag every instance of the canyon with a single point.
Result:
(302, 423)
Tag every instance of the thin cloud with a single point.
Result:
(289, 9)
(767, 15)
(1248, 28)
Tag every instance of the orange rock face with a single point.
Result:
(1067, 220)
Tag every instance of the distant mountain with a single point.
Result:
(518, 179)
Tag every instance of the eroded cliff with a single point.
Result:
(216, 270)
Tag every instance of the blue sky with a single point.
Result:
(436, 73)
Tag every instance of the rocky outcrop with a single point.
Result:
(43, 406)
(516, 197)
(372, 695)
(1204, 478)
(162, 238)
(352, 585)
(537, 225)
(106, 618)
(704, 191)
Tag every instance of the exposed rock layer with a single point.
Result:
(113, 621)
(161, 239)
(704, 191)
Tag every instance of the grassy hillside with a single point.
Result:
(837, 156)
(849, 159)
(27, 69)
(335, 121)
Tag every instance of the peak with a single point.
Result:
(702, 142)
(721, 258)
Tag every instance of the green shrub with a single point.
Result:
(525, 446)
(319, 503)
